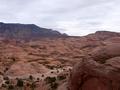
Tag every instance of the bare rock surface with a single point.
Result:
(21, 68)
(96, 55)
(100, 70)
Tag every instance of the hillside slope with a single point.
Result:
(53, 56)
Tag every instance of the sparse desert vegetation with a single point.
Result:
(46, 64)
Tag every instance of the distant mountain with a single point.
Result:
(26, 31)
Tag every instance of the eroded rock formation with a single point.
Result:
(100, 70)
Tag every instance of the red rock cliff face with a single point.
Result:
(100, 70)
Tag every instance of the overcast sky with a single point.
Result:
(74, 17)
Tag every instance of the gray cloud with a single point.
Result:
(74, 17)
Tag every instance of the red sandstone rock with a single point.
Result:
(20, 59)
(92, 73)
(105, 52)
(22, 69)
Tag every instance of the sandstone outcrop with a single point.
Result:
(100, 70)
(97, 58)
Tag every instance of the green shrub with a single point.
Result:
(10, 87)
(42, 75)
(61, 77)
(33, 86)
(38, 79)
(7, 82)
(3, 85)
(54, 86)
(20, 83)
(50, 79)
(31, 77)
(6, 78)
